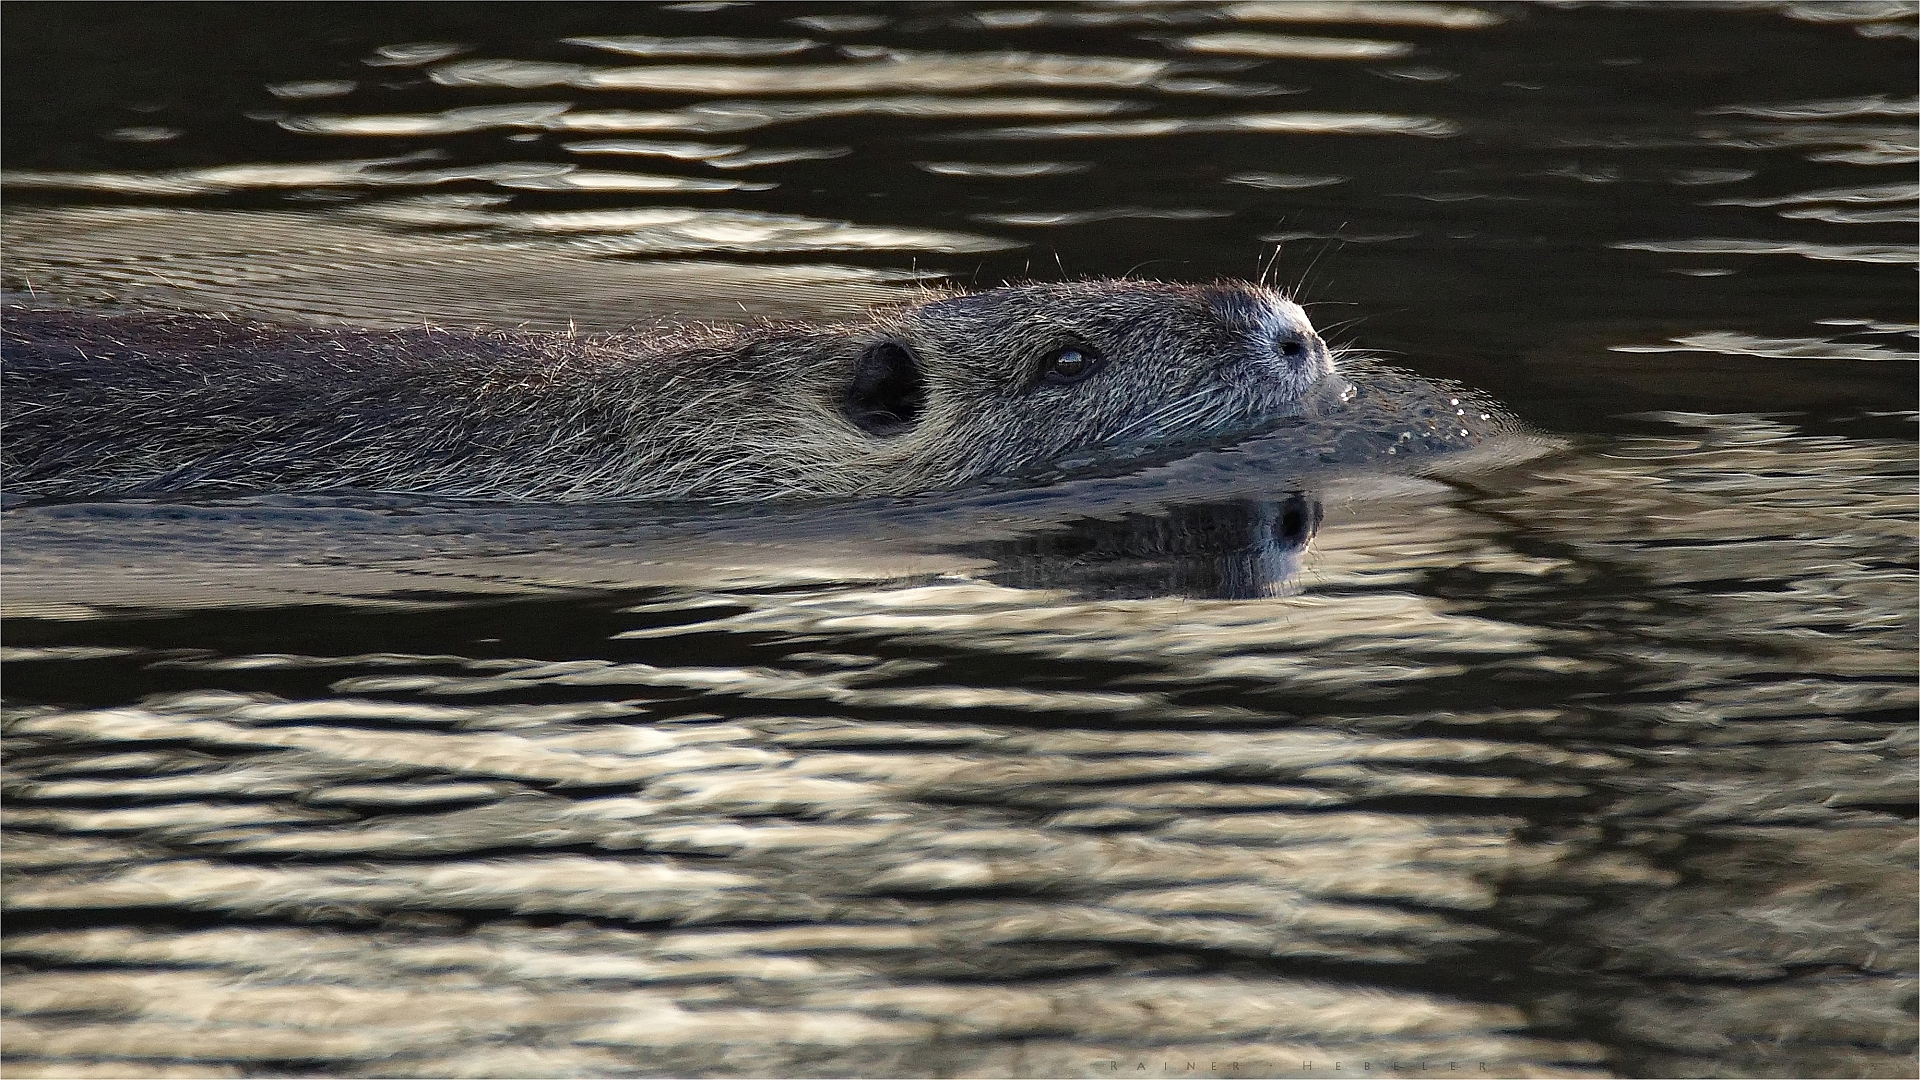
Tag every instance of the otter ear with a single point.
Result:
(887, 391)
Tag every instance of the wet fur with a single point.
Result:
(144, 403)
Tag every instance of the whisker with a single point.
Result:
(1324, 248)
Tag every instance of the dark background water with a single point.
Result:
(1587, 758)
(1578, 129)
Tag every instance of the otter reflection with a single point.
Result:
(1234, 550)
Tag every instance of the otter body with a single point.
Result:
(924, 396)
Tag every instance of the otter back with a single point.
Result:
(142, 403)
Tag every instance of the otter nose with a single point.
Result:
(1273, 329)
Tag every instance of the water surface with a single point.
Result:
(1587, 752)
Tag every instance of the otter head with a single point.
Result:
(1013, 378)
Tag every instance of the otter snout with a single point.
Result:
(1277, 333)
(1302, 352)
(1291, 345)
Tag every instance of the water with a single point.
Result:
(1584, 752)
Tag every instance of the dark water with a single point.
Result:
(1585, 754)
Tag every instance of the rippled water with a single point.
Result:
(1588, 752)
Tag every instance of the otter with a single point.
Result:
(949, 390)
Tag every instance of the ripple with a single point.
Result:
(1860, 253)
(575, 179)
(1800, 205)
(739, 48)
(1735, 343)
(1004, 170)
(1872, 326)
(1904, 193)
(1062, 15)
(313, 88)
(1840, 216)
(414, 54)
(1709, 177)
(1448, 197)
(145, 134)
(874, 71)
(736, 156)
(1287, 123)
(1363, 12)
(780, 156)
(721, 117)
(682, 229)
(1058, 218)
(365, 172)
(1880, 153)
(14, 654)
(1283, 181)
(1852, 144)
(369, 265)
(1418, 74)
(1222, 88)
(840, 24)
(447, 122)
(665, 230)
(1290, 47)
(1869, 18)
(679, 151)
(684, 998)
(1830, 109)
(1343, 237)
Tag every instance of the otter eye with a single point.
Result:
(1070, 365)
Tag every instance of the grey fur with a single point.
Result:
(130, 404)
